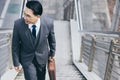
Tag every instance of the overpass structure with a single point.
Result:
(88, 41)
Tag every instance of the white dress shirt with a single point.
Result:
(37, 26)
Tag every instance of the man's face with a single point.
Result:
(29, 17)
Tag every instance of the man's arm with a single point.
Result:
(15, 46)
(51, 40)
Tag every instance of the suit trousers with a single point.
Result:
(34, 71)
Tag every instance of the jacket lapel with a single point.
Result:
(39, 36)
(41, 33)
(29, 35)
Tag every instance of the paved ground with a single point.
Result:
(64, 67)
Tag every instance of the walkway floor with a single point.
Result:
(64, 66)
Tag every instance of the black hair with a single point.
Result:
(35, 6)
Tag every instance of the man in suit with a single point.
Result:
(33, 42)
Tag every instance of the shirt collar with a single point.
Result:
(37, 23)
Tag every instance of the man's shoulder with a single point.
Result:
(20, 20)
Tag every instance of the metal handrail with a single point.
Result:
(110, 69)
(102, 33)
(23, 6)
(107, 51)
(78, 14)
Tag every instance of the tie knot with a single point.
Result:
(33, 26)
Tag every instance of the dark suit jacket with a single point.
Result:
(25, 47)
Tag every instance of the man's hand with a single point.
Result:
(17, 68)
(51, 58)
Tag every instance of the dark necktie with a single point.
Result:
(34, 30)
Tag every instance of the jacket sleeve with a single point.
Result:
(51, 40)
(15, 46)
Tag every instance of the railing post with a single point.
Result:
(82, 48)
(109, 63)
(92, 52)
